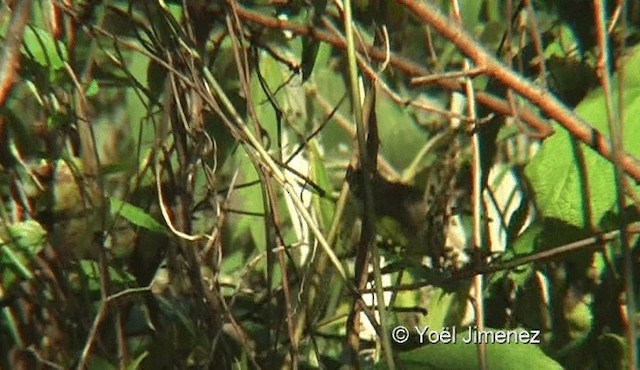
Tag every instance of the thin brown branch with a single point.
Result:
(431, 78)
(594, 241)
(478, 211)
(537, 43)
(615, 130)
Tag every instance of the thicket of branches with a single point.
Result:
(267, 184)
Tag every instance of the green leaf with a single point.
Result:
(400, 136)
(580, 320)
(631, 65)
(461, 356)
(91, 270)
(324, 206)
(24, 240)
(571, 181)
(9, 263)
(28, 236)
(446, 308)
(527, 242)
(42, 46)
(248, 199)
(100, 363)
(135, 364)
(92, 89)
(135, 215)
(471, 10)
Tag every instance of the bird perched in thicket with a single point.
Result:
(418, 218)
(69, 206)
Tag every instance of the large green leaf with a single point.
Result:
(571, 181)
(460, 355)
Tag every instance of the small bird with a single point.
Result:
(70, 205)
(422, 215)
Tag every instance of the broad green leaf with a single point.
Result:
(464, 356)
(234, 263)
(135, 215)
(400, 136)
(446, 308)
(42, 46)
(324, 55)
(470, 11)
(527, 243)
(275, 78)
(631, 65)
(92, 89)
(330, 83)
(136, 106)
(570, 179)
(311, 46)
(289, 97)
